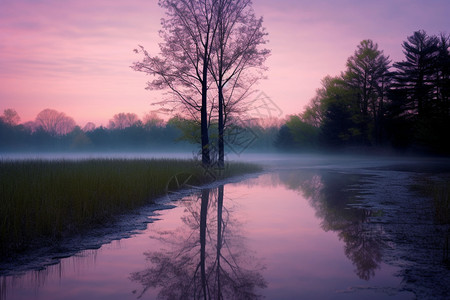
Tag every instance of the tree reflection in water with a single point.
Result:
(330, 194)
(206, 259)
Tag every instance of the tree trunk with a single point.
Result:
(219, 239)
(203, 217)
(206, 160)
(221, 146)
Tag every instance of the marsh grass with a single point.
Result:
(48, 200)
(439, 191)
(441, 199)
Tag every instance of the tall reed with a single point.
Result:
(439, 192)
(42, 201)
(441, 201)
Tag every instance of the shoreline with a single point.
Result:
(387, 188)
(123, 226)
(402, 221)
(414, 240)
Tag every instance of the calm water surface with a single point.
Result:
(289, 234)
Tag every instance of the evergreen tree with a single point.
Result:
(416, 76)
(443, 76)
(367, 74)
(420, 93)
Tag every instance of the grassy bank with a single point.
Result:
(47, 200)
(439, 192)
(441, 201)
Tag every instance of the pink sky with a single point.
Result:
(74, 55)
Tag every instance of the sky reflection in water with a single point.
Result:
(285, 235)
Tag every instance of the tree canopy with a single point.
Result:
(203, 42)
(375, 104)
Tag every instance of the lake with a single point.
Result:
(306, 228)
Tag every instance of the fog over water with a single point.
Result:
(272, 159)
(94, 155)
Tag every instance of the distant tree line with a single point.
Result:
(55, 131)
(375, 104)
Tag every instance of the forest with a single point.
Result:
(373, 104)
(376, 104)
(55, 131)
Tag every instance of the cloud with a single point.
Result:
(58, 35)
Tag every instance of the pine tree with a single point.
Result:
(416, 76)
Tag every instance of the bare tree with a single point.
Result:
(182, 67)
(31, 126)
(10, 116)
(54, 122)
(236, 50)
(89, 127)
(152, 119)
(198, 264)
(123, 120)
(66, 125)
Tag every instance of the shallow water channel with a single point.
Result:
(290, 233)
